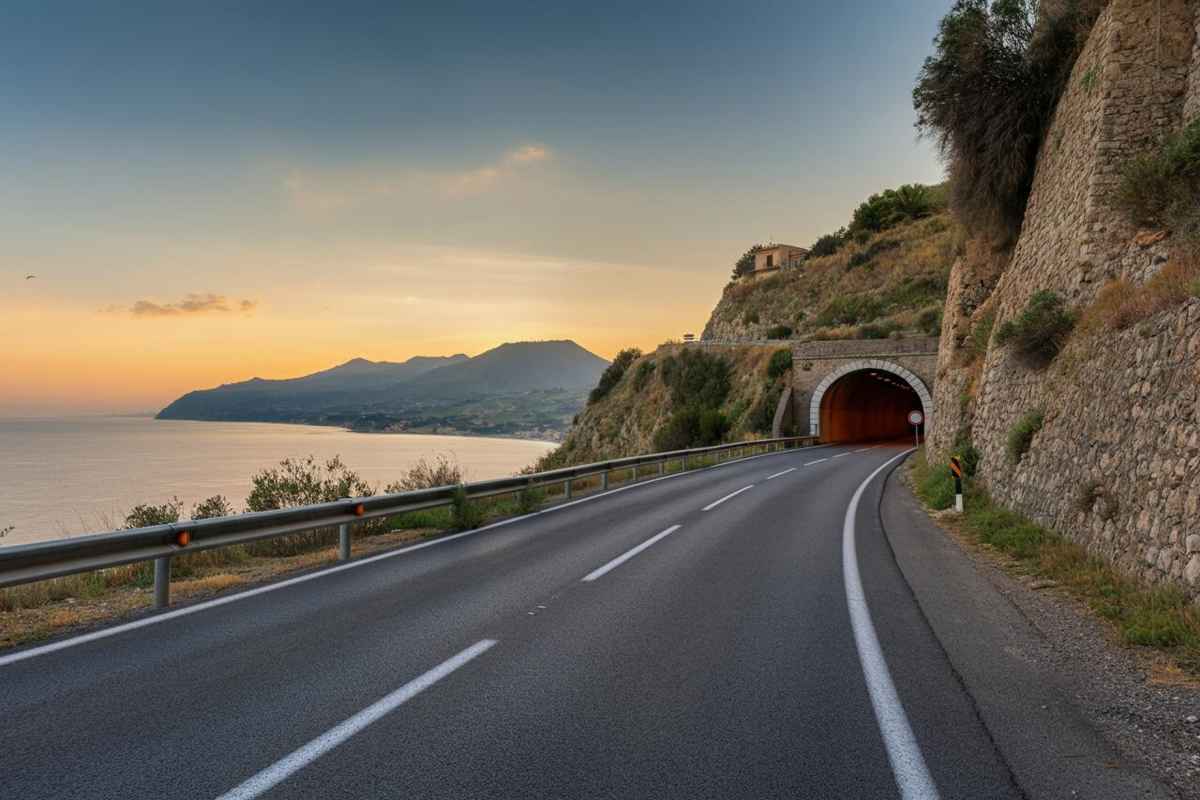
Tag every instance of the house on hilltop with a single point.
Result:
(773, 257)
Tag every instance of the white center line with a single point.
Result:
(865, 449)
(628, 554)
(818, 461)
(839, 455)
(716, 503)
(785, 472)
(908, 765)
(299, 759)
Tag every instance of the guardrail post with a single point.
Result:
(634, 478)
(683, 463)
(567, 489)
(162, 582)
(344, 541)
(604, 480)
(662, 468)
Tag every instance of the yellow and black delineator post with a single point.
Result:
(956, 468)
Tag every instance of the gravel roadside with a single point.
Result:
(1135, 699)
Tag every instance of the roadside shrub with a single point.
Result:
(930, 321)
(1038, 332)
(1162, 187)
(215, 506)
(692, 427)
(613, 373)
(465, 512)
(144, 515)
(644, 372)
(428, 473)
(850, 310)
(530, 499)
(750, 317)
(301, 482)
(1020, 435)
(934, 483)
(828, 244)
(779, 332)
(987, 95)
(968, 455)
(780, 363)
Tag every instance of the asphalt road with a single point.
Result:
(687, 637)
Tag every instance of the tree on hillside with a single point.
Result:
(745, 264)
(828, 244)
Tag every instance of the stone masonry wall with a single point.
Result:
(1122, 413)
(1123, 426)
(1191, 105)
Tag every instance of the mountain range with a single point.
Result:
(518, 388)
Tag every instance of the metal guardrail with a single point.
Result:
(40, 561)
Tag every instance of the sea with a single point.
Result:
(63, 477)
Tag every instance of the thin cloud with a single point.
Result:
(332, 192)
(191, 304)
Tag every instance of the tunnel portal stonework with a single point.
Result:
(817, 366)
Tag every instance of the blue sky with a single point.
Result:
(495, 170)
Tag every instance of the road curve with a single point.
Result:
(696, 636)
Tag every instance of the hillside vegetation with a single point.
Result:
(884, 274)
(678, 397)
(875, 284)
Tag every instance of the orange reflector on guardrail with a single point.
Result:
(183, 538)
(359, 510)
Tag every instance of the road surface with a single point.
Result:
(743, 631)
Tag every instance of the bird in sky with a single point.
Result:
(27, 277)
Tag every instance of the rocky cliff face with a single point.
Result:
(1117, 464)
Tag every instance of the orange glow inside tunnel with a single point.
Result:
(868, 405)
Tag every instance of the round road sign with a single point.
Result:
(915, 418)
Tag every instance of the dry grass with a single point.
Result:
(1122, 305)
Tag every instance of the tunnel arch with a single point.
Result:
(867, 366)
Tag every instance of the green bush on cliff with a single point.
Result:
(1039, 331)
(642, 377)
(850, 310)
(613, 373)
(1020, 435)
(1161, 188)
(781, 362)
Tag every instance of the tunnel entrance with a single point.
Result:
(868, 401)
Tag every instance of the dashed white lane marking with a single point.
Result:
(104, 633)
(716, 503)
(818, 461)
(778, 474)
(628, 554)
(908, 765)
(299, 759)
(863, 450)
(839, 455)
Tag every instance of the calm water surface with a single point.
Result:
(60, 477)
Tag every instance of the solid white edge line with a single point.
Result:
(780, 474)
(716, 503)
(818, 461)
(628, 554)
(104, 633)
(908, 765)
(301, 758)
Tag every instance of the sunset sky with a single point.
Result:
(208, 195)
